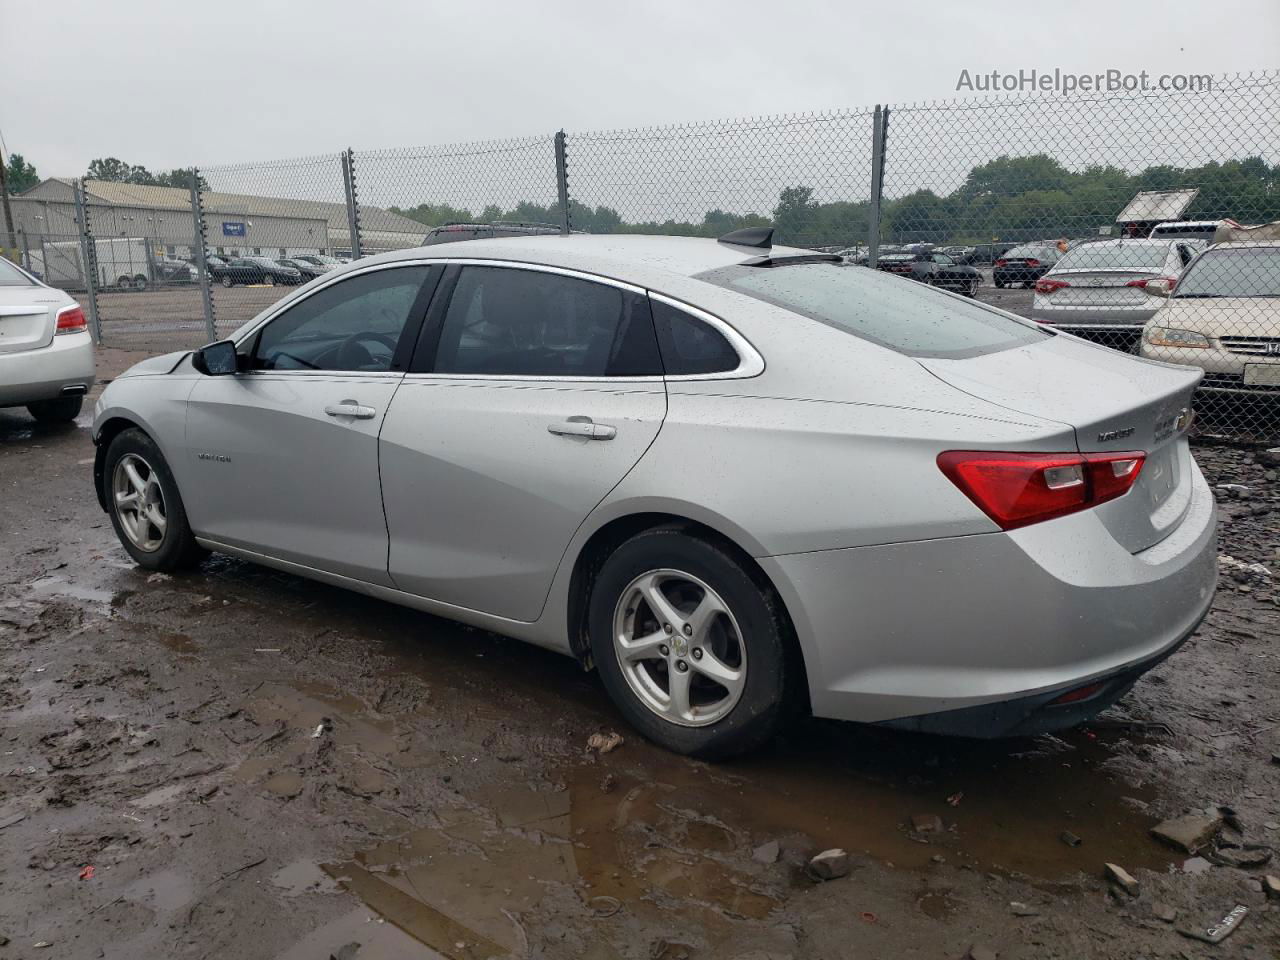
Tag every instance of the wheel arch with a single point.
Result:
(613, 533)
(110, 428)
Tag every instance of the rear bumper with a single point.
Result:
(974, 635)
(46, 372)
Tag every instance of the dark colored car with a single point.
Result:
(981, 254)
(933, 268)
(455, 232)
(247, 270)
(1025, 264)
(173, 270)
(319, 260)
(308, 269)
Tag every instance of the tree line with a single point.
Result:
(1008, 198)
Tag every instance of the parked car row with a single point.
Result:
(936, 269)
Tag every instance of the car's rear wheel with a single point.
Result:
(60, 410)
(145, 506)
(972, 289)
(124, 283)
(691, 649)
(139, 283)
(227, 282)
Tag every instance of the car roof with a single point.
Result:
(611, 254)
(1237, 244)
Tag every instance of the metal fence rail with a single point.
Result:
(961, 194)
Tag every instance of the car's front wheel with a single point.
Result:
(145, 506)
(227, 281)
(691, 648)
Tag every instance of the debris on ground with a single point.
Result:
(767, 852)
(1250, 855)
(1162, 911)
(604, 742)
(1237, 490)
(1121, 878)
(829, 865)
(1070, 839)
(346, 952)
(1271, 887)
(1023, 909)
(1190, 833)
(976, 952)
(926, 823)
(1220, 930)
(955, 798)
(87, 873)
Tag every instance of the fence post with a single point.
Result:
(879, 139)
(26, 251)
(353, 204)
(199, 240)
(562, 183)
(88, 258)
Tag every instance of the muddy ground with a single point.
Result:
(256, 766)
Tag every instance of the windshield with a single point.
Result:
(1116, 256)
(11, 276)
(903, 316)
(1249, 272)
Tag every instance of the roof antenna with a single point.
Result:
(760, 237)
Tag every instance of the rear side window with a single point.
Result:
(503, 321)
(690, 346)
(907, 317)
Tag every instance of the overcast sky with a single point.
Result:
(171, 84)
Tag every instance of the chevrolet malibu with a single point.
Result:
(739, 481)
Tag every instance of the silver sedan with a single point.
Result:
(740, 481)
(46, 352)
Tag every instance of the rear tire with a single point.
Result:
(61, 410)
(145, 506)
(744, 639)
(228, 282)
(140, 283)
(1000, 284)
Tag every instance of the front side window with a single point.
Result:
(353, 325)
(910, 318)
(503, 321)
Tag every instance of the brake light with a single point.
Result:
(1000, 263)
(1032, 262)
(1142, 284)
(1048, 285)
(1017, 489)
(71, 320)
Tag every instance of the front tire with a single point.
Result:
(61, 410)
(228, 282)
(691, 649)
(145, 506)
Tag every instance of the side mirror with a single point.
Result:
(1160, 287)
(217, 359)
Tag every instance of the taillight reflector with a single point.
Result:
(1032, 262)
(71, 320)
(1049, 284)
(1142, 284)
(1017, 489)
(1000, 263)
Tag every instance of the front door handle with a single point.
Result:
(584, 428)
(349, 408)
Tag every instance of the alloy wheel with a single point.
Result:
(679, 647)
(139, 502)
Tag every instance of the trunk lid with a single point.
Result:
(27, 317)
(1113, 402)
(1101, 288)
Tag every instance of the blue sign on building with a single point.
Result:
(232, 229)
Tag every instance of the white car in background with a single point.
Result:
(46, 353)
(1223, 316)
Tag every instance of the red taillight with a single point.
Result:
(1032, 262)
(1000, 263)
(1048, 285)
(1142, 284)
(1017, 489)
(71, 320)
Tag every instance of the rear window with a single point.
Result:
(1116, 256)
(11, 276)
(1232, 273)
(895, 313)
(1037, 253)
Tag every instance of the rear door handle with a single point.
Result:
(349, 408)
(583, 427)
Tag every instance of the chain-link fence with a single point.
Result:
(1090, 213)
